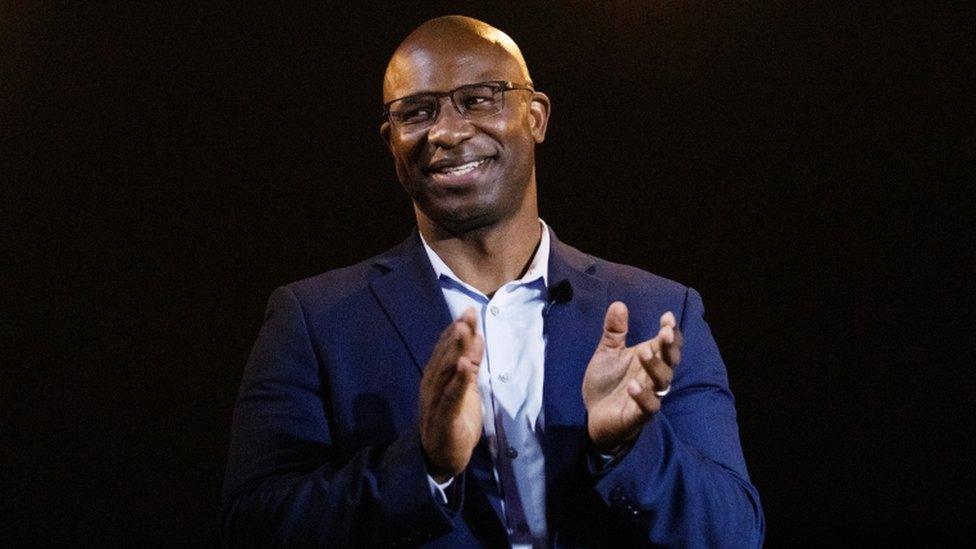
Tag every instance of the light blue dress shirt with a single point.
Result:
(510, 381)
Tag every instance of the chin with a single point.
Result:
(467, 209)
(460, 218)
(462, 221)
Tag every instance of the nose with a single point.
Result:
(450, 128)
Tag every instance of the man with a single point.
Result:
(551, 411)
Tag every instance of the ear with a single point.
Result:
(539, 108)
(386, 134)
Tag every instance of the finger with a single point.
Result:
(475, 349)
(665, 334)
(435, 363)
(440, 368)
(473, 344)
(667, 319)
(661, 375)
(669, 341)
(642, 377)
(638, 373)
(646, 357)
(464, 373)
(449, 369)
(644, 397)
(659, 371)
(644, 351)
(436, 371)
(615, 326)
(465, 332)
(470, 317)
(672, 351)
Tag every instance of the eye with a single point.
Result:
(478, 99)
(413, 111)
(474, 102)
(413, 116)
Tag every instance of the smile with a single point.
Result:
(463, 168)
(461, 174)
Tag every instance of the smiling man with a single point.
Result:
(483, 383)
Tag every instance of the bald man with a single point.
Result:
(483, 384)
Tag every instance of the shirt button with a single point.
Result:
(512, 453)
(494, 310)
(503, 378)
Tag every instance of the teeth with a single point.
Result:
(464, 168)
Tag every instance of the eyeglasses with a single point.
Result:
(419, 111)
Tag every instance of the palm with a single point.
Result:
(450, 411)
(611, 410)
(618, 387)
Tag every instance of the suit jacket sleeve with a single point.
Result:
(287, 481)
(684, 481)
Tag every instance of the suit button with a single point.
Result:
(617, 494)
(511, 453)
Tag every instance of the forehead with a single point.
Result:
(441, 67)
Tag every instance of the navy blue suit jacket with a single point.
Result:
(325, 446)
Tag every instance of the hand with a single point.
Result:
(620, 381)
(450, 403)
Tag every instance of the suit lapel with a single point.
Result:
(573, 329)
(411, 297)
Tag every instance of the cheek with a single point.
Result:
(405, 155)
(521, 148)
(516, 133)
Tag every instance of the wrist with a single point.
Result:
(611, 448)
(440, 475)
(439, 478)
(610, 452)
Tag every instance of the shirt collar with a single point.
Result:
(538, 267)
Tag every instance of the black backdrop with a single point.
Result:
(805, 168)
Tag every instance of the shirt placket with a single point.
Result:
(507, 400)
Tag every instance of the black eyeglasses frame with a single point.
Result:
(499, 86)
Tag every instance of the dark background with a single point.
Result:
(806, 168)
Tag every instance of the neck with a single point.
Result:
(491, 256)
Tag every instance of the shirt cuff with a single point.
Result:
(600, 461)
(603, 459)
(438, 489)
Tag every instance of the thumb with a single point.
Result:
(615, 326)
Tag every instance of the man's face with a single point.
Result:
(465, 174)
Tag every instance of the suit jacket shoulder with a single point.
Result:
(646, 294)
(326, 290)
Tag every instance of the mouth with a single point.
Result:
(453, 173)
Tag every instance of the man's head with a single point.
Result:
(464, 169)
